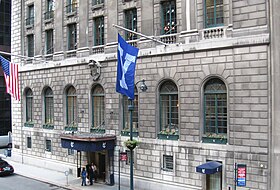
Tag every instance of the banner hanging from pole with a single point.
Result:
(127, 56)
(11, 77)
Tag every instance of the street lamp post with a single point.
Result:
(143, 88)
(131, 108)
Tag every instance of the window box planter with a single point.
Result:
(214, 140)
(48, 126)
(97, 130)
(27, 124)
(71, 128)
(127, 133)
(168, 136)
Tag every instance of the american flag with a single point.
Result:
(11, 77)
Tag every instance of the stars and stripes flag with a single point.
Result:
(11, 77)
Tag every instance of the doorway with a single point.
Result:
(214, 181)
(101, 169)
(99, 159)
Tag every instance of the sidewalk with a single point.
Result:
(56, 178)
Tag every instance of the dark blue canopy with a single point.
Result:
(209, 167)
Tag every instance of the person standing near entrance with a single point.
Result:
(94, 169)
(91, 175)
(84, 176)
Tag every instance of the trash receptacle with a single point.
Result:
(8, 152)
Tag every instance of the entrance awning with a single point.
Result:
(209, 167)
(88, 142)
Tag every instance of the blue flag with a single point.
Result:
(127, 56)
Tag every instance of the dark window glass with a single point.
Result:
(131, 23)
(29, 105)
(48, 145)
(98, 107)
(71, 106)
(30, 45)
(98, 31)
(72, 36)
(49, 110)
(29, 143)
(169, 107)
(30, 15)
(215, 107)
(213, 13)
(169, 21)
(49, 41)
(49, 9)
(71, 6)
(97, 2)
(126, 113)
(168, 162)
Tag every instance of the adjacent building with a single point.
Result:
(5, 46)
(212, 90)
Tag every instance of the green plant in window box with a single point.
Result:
(48, 125)
(29, 124)
(131, 144)
(97, 129)
(214, 138)
(71, 127)
(126, 132)
(169, 133)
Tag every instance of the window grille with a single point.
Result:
(29, 143)
(168, 162)
(48, 145)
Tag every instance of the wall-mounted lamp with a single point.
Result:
(95, 69)
(143, 87)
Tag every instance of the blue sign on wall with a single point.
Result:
(241, 175)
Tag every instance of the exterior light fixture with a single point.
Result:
(143, 87)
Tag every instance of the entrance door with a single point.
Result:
(214, 181)
(101, 168)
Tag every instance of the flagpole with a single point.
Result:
(137, 33)
(130, 108)
(20, 56)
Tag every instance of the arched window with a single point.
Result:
(71, 107)
(29, 105)
(49, 110)
(98, 107)
(169, 106)
(215, 108)
(126, 113)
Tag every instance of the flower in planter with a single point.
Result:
(216, 136)
(131, 144)
(134, 129)
(169, 131)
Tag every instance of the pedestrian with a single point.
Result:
(91, 175)
(84, 176)
(94, 169)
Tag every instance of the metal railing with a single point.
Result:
(29, 21)
(48, 15)
(71, 8)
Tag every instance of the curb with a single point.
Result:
(69, 187)
(48, 182)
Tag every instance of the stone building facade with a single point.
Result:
(209, 88)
